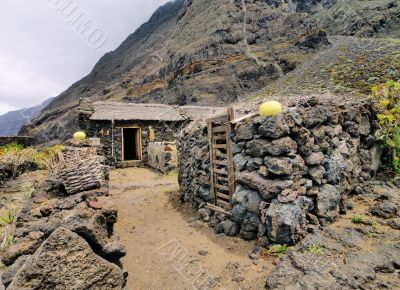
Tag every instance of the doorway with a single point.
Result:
(131, 143)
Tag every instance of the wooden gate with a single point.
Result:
(222, 181)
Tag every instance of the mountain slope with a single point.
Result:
(218, 52)
(12, 122)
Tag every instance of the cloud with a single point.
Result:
(41, 55)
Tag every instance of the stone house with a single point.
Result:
(137, 134)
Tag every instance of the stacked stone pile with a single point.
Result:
(64, 237)
(293, 171)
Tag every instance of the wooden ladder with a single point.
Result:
(222, 183)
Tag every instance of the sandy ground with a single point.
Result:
(167, 248)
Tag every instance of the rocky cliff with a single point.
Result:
(223, 51)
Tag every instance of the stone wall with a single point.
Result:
(194, 164)
(65, 232)
(162, 156)
(293, 171)
(24, 141)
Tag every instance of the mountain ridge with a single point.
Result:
(218, 52)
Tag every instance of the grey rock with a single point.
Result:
(240, 161)
(279, 165)
(254, 164)
(315, 116)
(238, 213)
(25, 246)
(282, 146)
(244, 131)
(285, 223)
(334, 166)
(263, 171)
(385, 209)
(66, 259)
(327, 202)
(364, 125)
(354, 267)
(394, 223)
(238, 147)
(248, 236)
(268, 188)
(248, 198)
(317, 173)
(274, 127)
(9, 272)
(315, 158)
(313, 219)
(92, 225)
(351, 128)
(257, 147)
(205, 214)
(113, 251)
(204, 193)
(230, 228)
(251, 222)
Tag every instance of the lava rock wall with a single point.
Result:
(293, 171)
(64, 235)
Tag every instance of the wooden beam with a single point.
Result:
(220, 171)
(229, 156)
(220, 146)
(218, 209)
(219, 137)
(231, 113)
(212, 157)
(220, 162)
(219, 129)
(223, 187)
(224, 204)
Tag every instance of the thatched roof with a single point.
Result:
(201, 113)
(130, 111)
(151, 112)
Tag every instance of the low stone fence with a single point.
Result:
(162, 156)
(64, 235)
(292, 171)
(24, 141)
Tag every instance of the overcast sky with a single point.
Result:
(41, 51)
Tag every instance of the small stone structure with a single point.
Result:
(64, 235)
(125, 127)
(122, 127)
(292, 171)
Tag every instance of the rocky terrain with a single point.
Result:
(219, 52)
(352, 254)
(63, 236)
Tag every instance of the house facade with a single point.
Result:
(138, 134)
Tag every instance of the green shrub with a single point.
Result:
(388, 119)
(278, 250)
(14, 155)
(357, 219)
(316, 248)
(8, 218)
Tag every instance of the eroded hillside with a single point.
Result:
(219, 52)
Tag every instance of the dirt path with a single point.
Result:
(167, 249)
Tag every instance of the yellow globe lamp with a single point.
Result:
(270, 109)
(80, 136)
